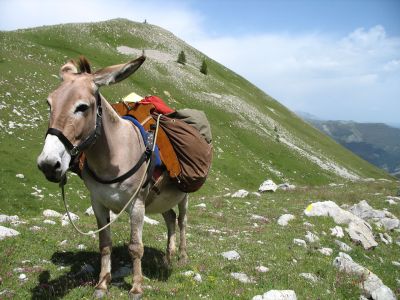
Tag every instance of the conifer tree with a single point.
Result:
(182, 58)
(204, 68)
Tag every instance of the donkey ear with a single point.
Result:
(117, 73)
(68, 69)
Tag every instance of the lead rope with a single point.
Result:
(126, 205)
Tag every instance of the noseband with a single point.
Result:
(87, 142)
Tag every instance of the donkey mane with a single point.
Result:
(84, 65)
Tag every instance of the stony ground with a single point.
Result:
(296, 242)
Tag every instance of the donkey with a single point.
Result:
(81, 120)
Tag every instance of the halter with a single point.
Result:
(86, 143)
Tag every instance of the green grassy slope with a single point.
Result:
(255, 137)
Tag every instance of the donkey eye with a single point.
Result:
(81, 108)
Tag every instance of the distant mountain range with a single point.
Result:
(377, 143)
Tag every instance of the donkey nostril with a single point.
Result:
(57, 165)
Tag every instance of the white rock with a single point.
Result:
(389, 223)
(300, 242)
(365, 211)
(396, 263)
(11, 219)
(286, 186)
(262, 269)
(150, 221)
(49, 213)
(240, 194)
(285, 219)
(51, 222)
(231, 255)
(81, 247)
(195, 276)
(89, 211)
(326, 251)
(201, 205)
(387, 239)
(311, 237)
(22, 277)
(372, 285)
(359, 230)
(7, 232)
(277, 295)
(21, 176)
(343, 246)
(65, 219)
(391, 201)
(259, 218)
(35, 228)
(62, 243)
(337, 231)
(309, 276)
(242, 277)
(257, 194)
(267, 186)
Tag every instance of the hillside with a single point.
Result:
(377, 143)
(255, 138)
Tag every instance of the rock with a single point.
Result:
(150, 221)
(259, 218)
(65, 219)
(267, 186)
(277, 295)
(343, 246)
(89, 211)
(21, 176)
(242, 277)
(7, 232)
(309, 276)
(285, 219)
(387, 239)
(10, 219)
(35, 228)
(337, 231)
(358, 229)
(22, 277)
(197, 277)
(361, 232)
(262, 269)
(62, 243)
(396, 263)
(311, 237)
(300, 242)
(81, 247)
(326, 251)
(286, 186)
(240, 194)
(391, 201)
(371, 286)
(257, 194)
(49, 213)
(389, 223)
(201, 205)
(365, 211)
(231, 255)
(51, 222)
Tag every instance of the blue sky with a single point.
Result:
(334, 59)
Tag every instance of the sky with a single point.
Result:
(336, 59)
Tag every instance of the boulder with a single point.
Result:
(242, 277)
(5, 218)
(361, 232)
(286, 186)
(49, 213)
(7, 232)
(231, 255)
(284, 219)
(372, 286)
(267, 186)
(343, 246)
(240, 194)
(366, 212)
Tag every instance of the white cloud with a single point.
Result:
(350, 77)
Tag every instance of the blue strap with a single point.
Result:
(143, 132)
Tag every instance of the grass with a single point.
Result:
(265, 243)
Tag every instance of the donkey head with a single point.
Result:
(73, 109)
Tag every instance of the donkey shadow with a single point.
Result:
(85, 270)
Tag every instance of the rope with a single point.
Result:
(126, 205)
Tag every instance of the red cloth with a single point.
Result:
(158, 103)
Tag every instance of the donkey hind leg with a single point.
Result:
(170, 221)
(136, 248)
(182, 220)
(103, 217)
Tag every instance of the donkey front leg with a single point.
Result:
(136, 248)
(103, 217)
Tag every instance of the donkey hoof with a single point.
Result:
(183, 261)
(133, 296)
(99, 294)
